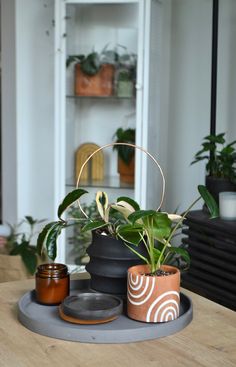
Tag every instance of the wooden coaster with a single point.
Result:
(85, 322)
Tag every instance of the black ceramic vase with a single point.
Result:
(109, 262)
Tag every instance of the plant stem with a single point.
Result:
(137, 253)
(182, 219)
(161, 254)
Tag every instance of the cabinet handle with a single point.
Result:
(138, 86)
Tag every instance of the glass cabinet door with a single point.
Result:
(101, 55)
(103, 83)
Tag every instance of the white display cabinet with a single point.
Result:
(125, 26)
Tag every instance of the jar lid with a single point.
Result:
(52, 270)
(92, 306)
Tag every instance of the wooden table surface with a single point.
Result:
(209, 340)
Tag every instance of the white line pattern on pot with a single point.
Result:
(157, 300)
(169, 316)
(130, 295)
(135, 282)
(142, 292)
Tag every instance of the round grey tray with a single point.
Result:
(45, 320)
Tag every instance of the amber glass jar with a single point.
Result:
(52, 283)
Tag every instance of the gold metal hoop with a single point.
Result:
(129, 145)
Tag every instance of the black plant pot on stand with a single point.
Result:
(215, 185)
(109, 262)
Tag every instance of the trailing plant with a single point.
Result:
(220, 157)
(126, 153)
(106, 223)
(20, 243)
(90, 64)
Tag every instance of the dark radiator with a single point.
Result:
(212, 248)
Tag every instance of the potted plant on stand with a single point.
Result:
(126, 154)
(220, 166)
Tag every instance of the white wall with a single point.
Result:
(27, 109)
(27, 88)
(226, 111)
(9, 140)
(189, 86)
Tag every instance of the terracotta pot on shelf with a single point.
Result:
(153, 298)
(98, 85)
(126, 171)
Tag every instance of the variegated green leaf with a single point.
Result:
(94, 225)
(102, 205)
(70, 199)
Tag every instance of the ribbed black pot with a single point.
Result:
(109, 262)
(215, 185)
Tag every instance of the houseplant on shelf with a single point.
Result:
(126, 154)
(124, 84)
(18, 257)
(154, 289)
(126, 74)
(220, 166)
(94, 73)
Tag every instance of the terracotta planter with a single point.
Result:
(153, 298)
(126, 171)
(100, 84)
(109, 262)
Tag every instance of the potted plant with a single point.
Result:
(109, 258)
(126, 75)
(94, 73)
(126, 154)
(18, 257)
(153, 293)
(220, 166)
(124, 84)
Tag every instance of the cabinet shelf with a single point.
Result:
(111, 182)
(101, 97)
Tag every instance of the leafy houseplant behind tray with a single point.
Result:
(220, 166)
(19, 258)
